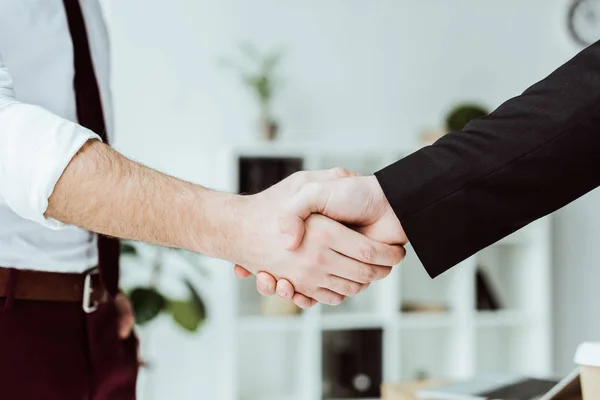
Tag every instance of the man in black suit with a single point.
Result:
(533, 155)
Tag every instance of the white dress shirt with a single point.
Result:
(38, 137)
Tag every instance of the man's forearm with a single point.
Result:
(534, 154)
(103, 191)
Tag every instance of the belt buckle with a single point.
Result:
(88, 305)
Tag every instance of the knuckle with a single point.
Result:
(368, 253)
(352, 288)
(368, 273)
(322, 235)
(311, 188)
(300, 176)
(317, 259)
(339, 172)
(301, 283)
(298, 180)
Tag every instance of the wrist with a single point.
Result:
(216, 217)
(387, 212)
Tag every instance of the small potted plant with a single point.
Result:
(259, 75)
(456, 119)
(148, 301)
(151, 267)
(462, 114)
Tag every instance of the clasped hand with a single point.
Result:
(336, 233)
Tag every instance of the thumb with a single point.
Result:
(125, 316)
(312, 198)
(292, 230)
(241, 272)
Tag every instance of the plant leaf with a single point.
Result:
(186, 315)
(128, 248)
(147, 303)
(189, 314)
(196, 299)
(250, 51)
(271, 62)
(227, 63)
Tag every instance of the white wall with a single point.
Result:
(577, 276)
(360, 71)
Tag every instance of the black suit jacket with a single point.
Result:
(534, 154)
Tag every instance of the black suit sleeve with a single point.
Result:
(534, 154)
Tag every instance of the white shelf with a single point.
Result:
(502, 318)
(270, 324)
(361, 398)
(426, 320)
(282, 396)
(282, 357)
(348, 321)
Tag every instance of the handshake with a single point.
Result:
(317, 236)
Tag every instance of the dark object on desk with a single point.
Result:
(527, 389)
(487, 298)
(259, 173)
(497, 387)
(568, 388)
(352, 364)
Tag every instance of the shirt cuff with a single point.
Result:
(60, 163)
(411, 196)
(35, 148)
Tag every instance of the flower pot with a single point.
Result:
(269, 130)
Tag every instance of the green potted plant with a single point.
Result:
(459, 116)
(258, 74)
(455, 120)
(149, 302)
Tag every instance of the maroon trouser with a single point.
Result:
(55, 351)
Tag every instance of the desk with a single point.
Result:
(407, 390)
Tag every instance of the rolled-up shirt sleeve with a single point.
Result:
(35, 148)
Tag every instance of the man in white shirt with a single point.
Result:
(59, 182)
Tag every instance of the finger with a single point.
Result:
(326, 296)
(285, 289)
(241, 272)
(354, 245)
(302, 301)
(326, 174)
(292, 231)
(265, 284)
(126, 324)
(350, 269)
(311, 198)
(292, 220)
(343, 286)
(126, 319)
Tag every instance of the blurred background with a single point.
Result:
(237, 94)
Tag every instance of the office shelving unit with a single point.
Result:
(281, 357)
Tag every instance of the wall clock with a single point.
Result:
(584, 21)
